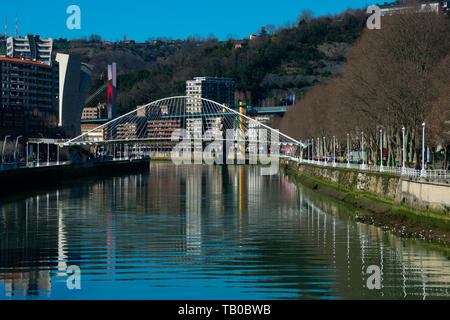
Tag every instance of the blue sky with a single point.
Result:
(144, 19)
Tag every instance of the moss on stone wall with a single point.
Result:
(379, 208)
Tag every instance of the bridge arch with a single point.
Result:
(157, 120)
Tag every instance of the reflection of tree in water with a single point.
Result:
(228, 224)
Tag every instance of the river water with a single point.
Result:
(204, 232)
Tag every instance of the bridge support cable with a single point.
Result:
(198, 119)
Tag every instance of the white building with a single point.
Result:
(425, 6)
(31, 48)
(74, 81)
(220, 90)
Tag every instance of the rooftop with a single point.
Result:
(23, 61)
(210, 79)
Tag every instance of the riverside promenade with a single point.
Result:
(27, 178)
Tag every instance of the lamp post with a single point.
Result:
(48, 154)
(348, 150)
(423, 173)
(57, 154)
(404, 152)
(310, 150)
(334, 151)
(381, 150)
(307, 149)
(318, 151)
(311, 142)
(38, 156)
(15, 149)
(324, 151)
(363, 166)
(3, 150)
(28, 148)
(57, 150)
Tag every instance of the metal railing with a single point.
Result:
(408, 172)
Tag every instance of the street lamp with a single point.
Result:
(363, 166)
(404, 152)
(318, 151)
(423, 173)
(381, 150)
(57, 149)
(48, 154)
(307, 149)
(334, 151)
(324, 151)
(57, 154)
(3, 149)
(38, 155)
(348, 150)
(28, 150)
(15, 149)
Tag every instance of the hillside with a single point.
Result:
(267, 70)
(403, 85)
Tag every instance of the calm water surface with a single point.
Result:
(200, 232)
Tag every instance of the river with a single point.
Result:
(204, 232)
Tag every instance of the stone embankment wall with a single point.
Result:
(418, 193)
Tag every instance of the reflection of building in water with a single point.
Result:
(237, 178)
(214, 190)
(194, 210)
(354, 247)
(62, 239)
(110, 241)
(26, 283)
(242, 195)
(255, 188)
(19, 248)
(163, 187)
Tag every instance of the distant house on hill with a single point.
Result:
(425, 6)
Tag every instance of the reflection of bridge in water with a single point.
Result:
(182, 221)
(192, 122)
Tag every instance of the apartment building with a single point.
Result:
(220, 90)
(127, 131)
(28, 98)
(90, 129)
(94, 113)
(31, 48)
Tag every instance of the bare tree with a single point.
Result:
(305, 16)
(395, 77)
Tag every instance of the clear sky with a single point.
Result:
(144, 19)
